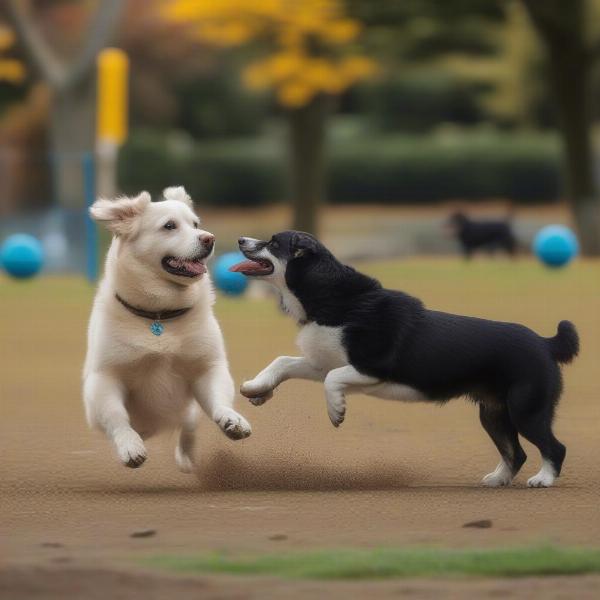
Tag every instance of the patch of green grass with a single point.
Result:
(390, 562)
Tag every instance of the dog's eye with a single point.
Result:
(274, 244)
(196, 225)
(170, 225)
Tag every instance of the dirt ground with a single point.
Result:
(392, 475)
(38, 583)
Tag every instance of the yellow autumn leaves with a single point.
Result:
(10, 69)
(310, 41)
(298, 77)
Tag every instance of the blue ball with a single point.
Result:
(21, 255)
(230, 283)
(555, 245)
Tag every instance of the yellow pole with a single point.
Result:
(113, 74)
(111, 117)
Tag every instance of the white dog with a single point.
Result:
(155, 349)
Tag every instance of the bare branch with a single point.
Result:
(40, 54)
(102, 28)
(60, 74)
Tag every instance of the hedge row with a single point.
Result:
(384, 169)
(401, 169)
(233, 173)
(420, 101)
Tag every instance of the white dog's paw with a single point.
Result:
(185, 463)
(500, 477)
(256, 392)
(336, 409)
(233, 425)
(130, 448)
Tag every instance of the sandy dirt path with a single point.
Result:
(392, 475)
(98, 584)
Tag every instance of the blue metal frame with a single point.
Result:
(89, 182)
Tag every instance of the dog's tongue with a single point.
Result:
(192, 266)
(246, 266)
(195, 266)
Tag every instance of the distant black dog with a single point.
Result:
(482, 235)
(356, 336)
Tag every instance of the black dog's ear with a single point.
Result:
(303, 244)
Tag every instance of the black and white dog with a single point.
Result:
(482, 235)
(356, 336)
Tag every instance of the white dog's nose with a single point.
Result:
(207, 239)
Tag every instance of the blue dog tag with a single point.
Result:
(157, 328)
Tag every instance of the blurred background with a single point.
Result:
(368, 122)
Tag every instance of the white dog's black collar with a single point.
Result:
(156, 317)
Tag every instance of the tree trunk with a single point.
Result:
(569, 66)
(307, 148)
(72, 84)
(570, 77)
(72, 127)
(72, 136)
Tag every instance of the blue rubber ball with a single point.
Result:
(555, 245)
(230, 283)
(21, 255)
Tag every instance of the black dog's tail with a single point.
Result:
(564, 346)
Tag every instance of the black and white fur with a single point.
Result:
(356, 336)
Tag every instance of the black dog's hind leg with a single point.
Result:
(534, 423)
(496, 421)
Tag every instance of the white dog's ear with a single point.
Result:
(179, 194)
(120, 215)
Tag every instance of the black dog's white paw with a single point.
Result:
(260, 400)
(336, 412)
(255, 392)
